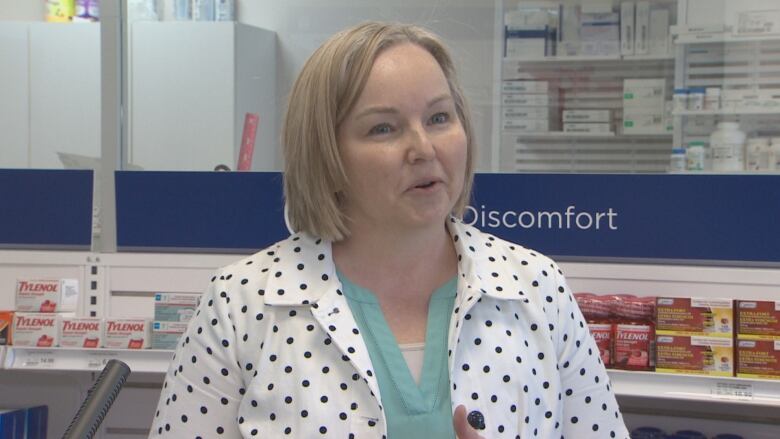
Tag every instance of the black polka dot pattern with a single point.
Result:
(274, 351)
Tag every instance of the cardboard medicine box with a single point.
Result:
(6, 324)
(175, 307)
(758, 358)
(694, 355)
(52, 295)
(695, 316)
(755, 317)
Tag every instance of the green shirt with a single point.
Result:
(412, 411)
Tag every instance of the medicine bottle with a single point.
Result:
(695, 156)
(774, 154)
(678, 160)
(680, 99)
(712, 98)
(727, 144)
(696, 98)
(757, 154)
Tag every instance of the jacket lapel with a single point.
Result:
(304, 274)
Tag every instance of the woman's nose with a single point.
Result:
(420, 145)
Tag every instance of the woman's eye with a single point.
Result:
(382, 128)
(440, 118)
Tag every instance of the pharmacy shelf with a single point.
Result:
(726, 390)
(722, 38)
(73, 359)
(760, 111)
(561, 134)
(589, 58)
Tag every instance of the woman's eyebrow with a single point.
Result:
(380, 109)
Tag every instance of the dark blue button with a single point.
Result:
(477, 420)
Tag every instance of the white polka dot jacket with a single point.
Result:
(274, 351)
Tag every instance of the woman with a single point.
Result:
(384, 315)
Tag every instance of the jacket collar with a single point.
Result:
(303, 270)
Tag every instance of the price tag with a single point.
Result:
(39, 360)
(733, 391)
(98, 360)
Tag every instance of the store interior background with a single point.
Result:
(230, 62)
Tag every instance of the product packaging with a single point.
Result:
(175, 307)
(80, 332)
(755, 317)
(586, 116)
(587, 128)
(695, 316)
(523, 86)
(627, 28)
(6, 324)
(166, 335)
(642, 34)
(660, 41)
(695, 355)
(35, 329)
(47, 295)
(758, 358)
(60, 11)
(127, 333)
(529, 99)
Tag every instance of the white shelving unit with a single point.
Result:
(582, 82)
(81, 360)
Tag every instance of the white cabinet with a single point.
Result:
(49, 92)
(190, 86)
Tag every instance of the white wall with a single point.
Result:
(466, 25)
(25, 10)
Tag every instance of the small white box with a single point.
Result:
(166, 335)
(35, 329)
(526, 126)
(528, 100)
(524, 86)
(642, 33)
(80, 332)
(586, 116)
(514, 112)
(49, 295)
(764, 22)
(644, 94)
(659, 32)
(627, 28)
(127, 333)
(652, 123)
(587, 128)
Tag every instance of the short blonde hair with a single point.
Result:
(325, 91)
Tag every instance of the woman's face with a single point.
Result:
(403, 146)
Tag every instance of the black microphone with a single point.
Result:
(98, 401)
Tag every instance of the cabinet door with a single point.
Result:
(14, 88)
(181, 95)
(64, 92)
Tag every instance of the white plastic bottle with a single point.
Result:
(727, 143)
(757, 154)
(774, 154)
(677, 160)
(695, 156)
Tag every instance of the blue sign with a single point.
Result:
(723, 218)
(195, 211)
(691, 217)
(45, 209)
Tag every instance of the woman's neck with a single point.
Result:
(373, 257)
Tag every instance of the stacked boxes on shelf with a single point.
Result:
(695, 335)
(758, 339)
(529, 33)
(623, 328)
(587, 121)
(645, 109)
(37, 307)
(172, 312)
(591, 29)
(528, 106)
